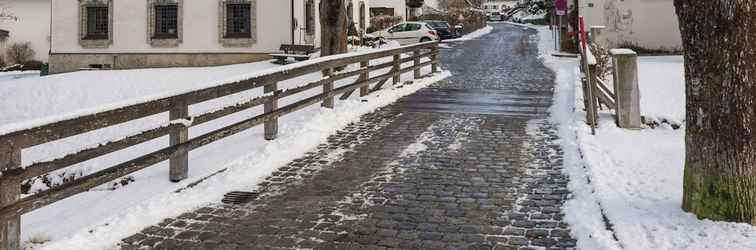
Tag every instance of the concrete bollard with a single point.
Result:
(597, 36)
(625, 75)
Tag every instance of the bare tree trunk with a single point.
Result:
(720, 72)
(333, 25)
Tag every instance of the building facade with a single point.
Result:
(389, 8)
(26, 21)
(124, 34)
(644, 24)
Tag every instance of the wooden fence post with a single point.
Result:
(271, 127)
(434, 58)
(364, 76)
(10, 192)
(327, 88)
(179, 163)
(626, 88)
(591, 83)
(397, 69)
(416, 53)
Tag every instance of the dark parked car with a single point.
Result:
(445, 31)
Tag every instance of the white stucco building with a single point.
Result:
(122, 34)
(650, 24)
(26, 21)
(389, 8)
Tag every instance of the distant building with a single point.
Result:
(642, 23)
(389, 8)
(496, 6)
(172, 33)
(26, 21)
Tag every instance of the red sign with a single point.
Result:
(561, 7)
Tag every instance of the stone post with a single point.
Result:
(625, 75)
(597, 36)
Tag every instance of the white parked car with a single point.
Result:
(408, 33)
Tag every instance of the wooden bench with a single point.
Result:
(297, 51)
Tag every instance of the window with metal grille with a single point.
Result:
(166, 21)
(238, 24)
(97, 23)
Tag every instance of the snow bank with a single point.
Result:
(582, 212)
(635, 175)
(473, 35)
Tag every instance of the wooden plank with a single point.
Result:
(179, 163)
(603, 87)
(41, 168)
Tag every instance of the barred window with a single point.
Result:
(97, 23)
(166, 21)
(238, 24)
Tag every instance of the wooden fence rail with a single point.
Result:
(12, 206)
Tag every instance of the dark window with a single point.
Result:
(238, 21)
(412, 27)
(97, 23)
(166, 21)
(398, 28)
(310, 18)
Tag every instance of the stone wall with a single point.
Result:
(63, 62)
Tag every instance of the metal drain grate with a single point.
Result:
(238, 197)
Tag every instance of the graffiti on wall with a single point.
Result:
(618, 19)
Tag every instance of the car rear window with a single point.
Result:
(438, 24)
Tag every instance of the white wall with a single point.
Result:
(200, 28)
(650, 24)
(32, 24)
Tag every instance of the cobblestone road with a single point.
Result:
(469, 163)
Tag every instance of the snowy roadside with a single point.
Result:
(101, 217)
(635, 176)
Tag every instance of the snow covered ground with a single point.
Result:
(633, 177)
(101, 217)
(7, 76)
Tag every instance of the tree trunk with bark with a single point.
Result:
(333, 25)
(720, 71)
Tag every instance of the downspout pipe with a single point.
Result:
(293, 22)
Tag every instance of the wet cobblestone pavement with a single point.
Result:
(469, 163)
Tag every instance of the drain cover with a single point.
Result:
(238, 197)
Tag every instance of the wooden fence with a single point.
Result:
(11, 145)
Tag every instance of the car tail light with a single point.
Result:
(432, 33)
